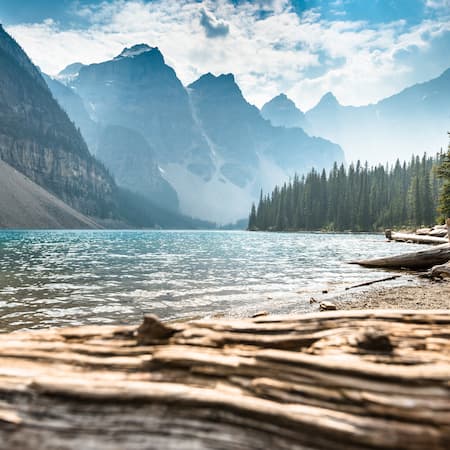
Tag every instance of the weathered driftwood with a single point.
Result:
(415, 238)
(341, 380)
(441, 271)
(435, 235)
(424, 231)
(423, 259)
(439, 232)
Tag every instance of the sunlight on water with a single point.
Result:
(56, 278)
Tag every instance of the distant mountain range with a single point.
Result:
(413, 121)
(164, 152)
(203, 148)
(49, 179)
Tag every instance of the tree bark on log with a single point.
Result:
(424, 259)
(341, 380)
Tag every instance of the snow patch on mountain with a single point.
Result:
(135, 50)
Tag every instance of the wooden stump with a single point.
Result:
(330, 380)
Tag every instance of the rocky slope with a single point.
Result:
(128, 156)
(38, 139)
(24, 204)
(74, 106)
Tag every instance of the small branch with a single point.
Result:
(367, 283)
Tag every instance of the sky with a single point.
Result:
(361, 50)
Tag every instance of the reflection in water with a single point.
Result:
(56, 278)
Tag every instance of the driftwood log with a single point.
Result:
(415, 238)
(332, 380)
(441, 271)
(423, 259)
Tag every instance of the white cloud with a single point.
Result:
(213, 27)
(437, 4)
(277, 51)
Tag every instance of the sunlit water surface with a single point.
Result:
(57, 278)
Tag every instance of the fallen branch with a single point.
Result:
(368, 283)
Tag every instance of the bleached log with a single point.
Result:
(415, 238)
(423, 231)
(439, 232)
(341, 380)
(424, 259)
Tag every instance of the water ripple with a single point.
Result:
(55, 278)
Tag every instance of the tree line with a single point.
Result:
(359, 198)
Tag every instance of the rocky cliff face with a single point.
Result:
(137, 90)
(206, 140)
(250, 145)
(38, 139)
(130, 158)
(231, 124)
(74, 106)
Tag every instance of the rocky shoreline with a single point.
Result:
(424, 295)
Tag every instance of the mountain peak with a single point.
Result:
(282, 111)
(329, 99)
(227, 77)
(71, 69)
(281, 100)
(135, 50)
(70, 72)
(223, 82)
(281, 97)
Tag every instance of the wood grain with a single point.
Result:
(341, 380)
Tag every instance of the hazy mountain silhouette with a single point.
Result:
(281, 111)
(413, 121)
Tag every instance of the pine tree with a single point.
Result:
(252, 226)
(443, 172)
(360, 198)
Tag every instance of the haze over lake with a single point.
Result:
(56, 278)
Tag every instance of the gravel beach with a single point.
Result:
(426, 295)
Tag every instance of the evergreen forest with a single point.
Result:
(359, 197)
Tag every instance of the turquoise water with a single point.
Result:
(57, 278)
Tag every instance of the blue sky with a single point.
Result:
(362, 50)
(374, 11)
